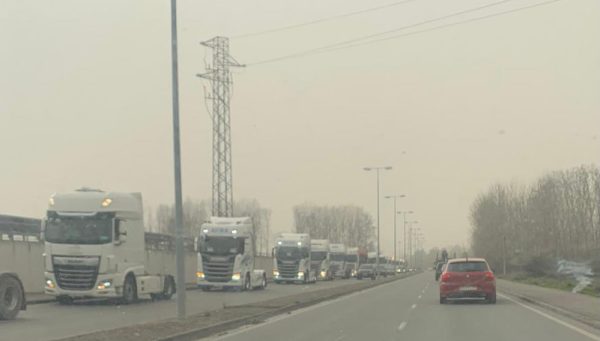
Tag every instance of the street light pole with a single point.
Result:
(404, 233)
(377, 169)
(179, 256)
(395, 197)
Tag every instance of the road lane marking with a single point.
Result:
(413, 306)
(402, 326)
(420, 296)
(277, 318)
(554, 319)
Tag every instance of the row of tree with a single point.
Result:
(556, 217)
(350, 225)
(162, 219)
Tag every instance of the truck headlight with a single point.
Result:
(275, 273)
(323, 273)
(300, 274)
(353, 273)
(50, 284)
(236, 276)
(105, 284)
(200, 274)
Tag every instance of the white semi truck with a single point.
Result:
(226, 255)
(352, 261)
(95, 246)
(291, 259)
(320, 258)
(338, 260)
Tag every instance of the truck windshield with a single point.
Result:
(318, 255)
(338, 257)
(291, 253)
(79, 230)
(351, 258)
(222, 245)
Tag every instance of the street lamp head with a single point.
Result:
(367, 168)
(387, 167)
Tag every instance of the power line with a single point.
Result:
(317, 21)
(357, 41)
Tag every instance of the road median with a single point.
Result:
(209, 323)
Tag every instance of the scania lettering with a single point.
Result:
(291, 259)
(95, 246)
(226, 255)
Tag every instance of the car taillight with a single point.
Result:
(489, 276)
(445, 277)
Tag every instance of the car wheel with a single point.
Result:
(11, 298)
(442, 300)
(491, 299)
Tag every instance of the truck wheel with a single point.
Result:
(169, 288)
(247, 284)
(11, 298)
(64, 300)
(129, 290)
(263, 284)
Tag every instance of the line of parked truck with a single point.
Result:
(95, 246)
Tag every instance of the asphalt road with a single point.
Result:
(52, 321)
(409, 309)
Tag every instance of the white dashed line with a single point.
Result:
(413, 306)
(420, 296)
(402, 326)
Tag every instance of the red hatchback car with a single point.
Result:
(467, 278)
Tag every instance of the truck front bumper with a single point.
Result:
(100, 289)
(203, 283)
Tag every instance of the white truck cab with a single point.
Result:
(226, 255)
(320, 258)
(338, 260)
(352, 261)
(95, 247)
(291, 259)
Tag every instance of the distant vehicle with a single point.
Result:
(226, 255)
(291, 259)
(439, 268)
(338, 260)
(320, 258)
(366, 271)
(12, 296)
(467, 278)
(352, 262)
(95, 246)
(371, 257)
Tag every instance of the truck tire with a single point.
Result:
(11, 297)
(169, 288)
(129, 290)
(263, 283)
(247, 283)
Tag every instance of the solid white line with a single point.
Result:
(402, 326)
(413, 306)
(554, 319)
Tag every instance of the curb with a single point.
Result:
(570, 314)
(198, 333)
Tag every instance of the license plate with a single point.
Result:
(468, 288)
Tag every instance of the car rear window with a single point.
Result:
(467, 267)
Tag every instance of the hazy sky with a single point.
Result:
(85, 100)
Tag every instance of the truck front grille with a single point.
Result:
(217, 269)
(76, 277)
(287, 269)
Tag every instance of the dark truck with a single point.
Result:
(12, 296)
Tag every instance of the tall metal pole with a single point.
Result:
(179, 257)
(395, 255)
(377, 259)
(404, 239)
